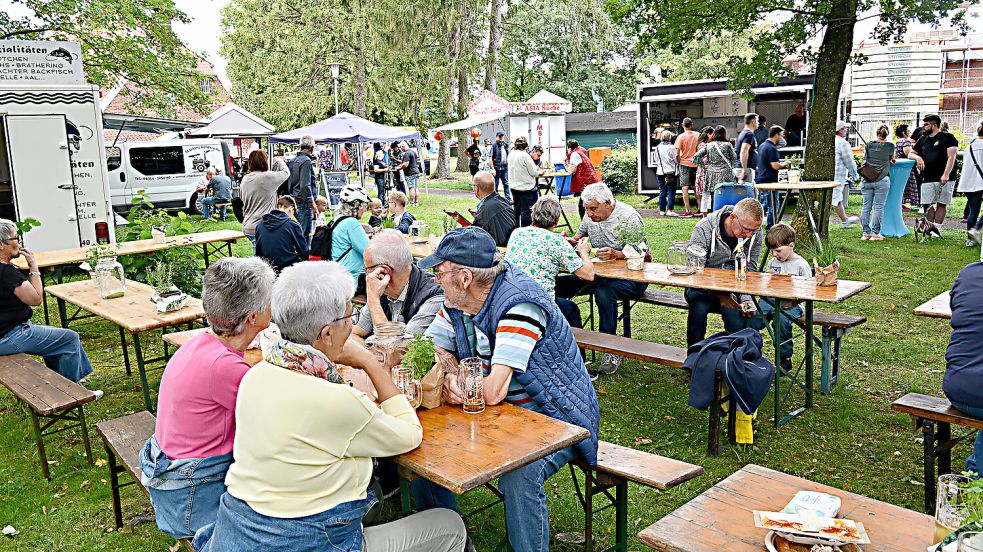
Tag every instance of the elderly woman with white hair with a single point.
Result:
(305, 439)
(62, 349)
(185, 461)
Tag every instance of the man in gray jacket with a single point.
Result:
(302, 185)
(719, 234)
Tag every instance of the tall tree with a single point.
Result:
(121, 39)
(494, 44)
(817, 32)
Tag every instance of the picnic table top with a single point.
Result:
(252, 356)
(58, 257)
(792, 288)
(814, 185)
(936, 307)
(462, 451)
(721, 518)
(134, 311)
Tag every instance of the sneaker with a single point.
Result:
(686, 214)
(876, 237)
(672, 214)
(99, 393)
(970, 243)
(865, 237)
(974, 235)
(850, 221)
(609, 364)
(593, 374)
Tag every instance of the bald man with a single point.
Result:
(495, 214)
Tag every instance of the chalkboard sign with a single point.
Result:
(333, 183)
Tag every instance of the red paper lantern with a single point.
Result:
(438, 136)
(476, 132)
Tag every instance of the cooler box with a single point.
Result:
(562, 183)
(729, 193)
(597, 155)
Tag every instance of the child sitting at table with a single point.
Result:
(322, 206)
(781, 242)
(376, 214)
(401, 217)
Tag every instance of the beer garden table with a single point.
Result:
(936, 307)
(134, 312)
(550, 187)
(721, 518)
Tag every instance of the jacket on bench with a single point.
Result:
(738, 357)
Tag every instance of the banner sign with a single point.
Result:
(40, 62)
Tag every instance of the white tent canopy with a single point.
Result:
(233, 121)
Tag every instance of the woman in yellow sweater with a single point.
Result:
(305, 439)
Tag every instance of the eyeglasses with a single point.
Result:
(745, 229)
(437, 274)
(17, 239)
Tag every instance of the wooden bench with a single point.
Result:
(665, 355)
(616, 466)
(124, 439)
(50, 396)
(935, 416)
(834, 327)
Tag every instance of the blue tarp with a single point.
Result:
(346, 128)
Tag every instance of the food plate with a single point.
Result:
(772, 543)
(827, 530)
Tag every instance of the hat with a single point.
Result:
(499, 133)
(840, 125)
(469, 246)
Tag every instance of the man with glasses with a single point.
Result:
(720, 234)
(494, 311)
(935, 156)
(396, 290)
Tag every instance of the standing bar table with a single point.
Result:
(892, 223)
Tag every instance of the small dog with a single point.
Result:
(925, 229)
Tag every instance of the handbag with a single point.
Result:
(671, 179)
(869, 172)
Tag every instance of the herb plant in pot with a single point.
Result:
(633, 245)
(421, 359)
(825, 262)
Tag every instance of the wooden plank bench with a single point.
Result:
(665, 355)
(50, 396)
(834, 327)
(935, 416)
(616, 466)
(124, 439)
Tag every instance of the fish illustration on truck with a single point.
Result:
(61, 53)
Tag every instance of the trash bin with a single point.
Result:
(597, 155)
(729, 193)
(562, 183)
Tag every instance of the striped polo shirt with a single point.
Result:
(517, 333)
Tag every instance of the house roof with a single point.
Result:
(602, 122)
(231, 120)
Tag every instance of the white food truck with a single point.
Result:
(52, 160)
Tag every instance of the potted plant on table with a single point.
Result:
(421, 359)
(825, 262)
(633, 245)
(166, 295)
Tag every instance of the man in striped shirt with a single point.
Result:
(497, 313)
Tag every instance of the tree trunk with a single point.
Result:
(360, 83)
(820, 157)
(444, 151)
(463, 136)
(494, 44)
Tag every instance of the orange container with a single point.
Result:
(597, 155)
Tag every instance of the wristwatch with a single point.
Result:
(34, 273)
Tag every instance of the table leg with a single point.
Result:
(810, 216)
(777, 340)
(810, 349)
(126, 353)
(63, 313)
(138, 349)
(404, 496)
(204, 247)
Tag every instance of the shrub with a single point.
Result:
(620, 169)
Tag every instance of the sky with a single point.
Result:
(204, 33)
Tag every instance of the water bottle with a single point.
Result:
(740, 264)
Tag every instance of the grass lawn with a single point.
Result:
(850, 440)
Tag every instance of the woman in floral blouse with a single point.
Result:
(701, 175)
(901, 150)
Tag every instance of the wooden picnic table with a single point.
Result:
(936, 307)
(721, 518)
(134, 312)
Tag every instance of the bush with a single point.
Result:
(620, 169)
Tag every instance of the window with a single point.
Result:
(160, 160)
(114, 158)
(206, 85)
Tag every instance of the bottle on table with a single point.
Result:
(740, 263)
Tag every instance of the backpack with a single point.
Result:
(321, 242)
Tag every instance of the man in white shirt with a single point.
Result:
(845, 163)
(523, 173)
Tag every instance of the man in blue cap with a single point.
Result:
(496, 312)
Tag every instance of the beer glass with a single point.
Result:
(411, 388)
(950, 506)
(970, 542)
(470, 377)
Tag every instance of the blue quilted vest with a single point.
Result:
(556, 377)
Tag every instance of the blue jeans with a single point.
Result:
(62, 349)
(701, 304)
(667, 194)
(874, 194)
(526, 516)
(412, 181)
(570, 311)
(766, 311)
(607, 293)
(184, 493)
(523, 206)
(209, 202)
(305, 218)
(971, 462)
(502, 175)
(380, 187)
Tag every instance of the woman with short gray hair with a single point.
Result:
(62, 349)
(185, 461)
(542, 254)
(303, 457)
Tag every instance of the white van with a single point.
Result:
(169, 170)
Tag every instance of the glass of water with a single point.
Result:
(950, 505)
(970, 542)
(471, 379)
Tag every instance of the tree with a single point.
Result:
(121, 39)
(817, 32)
(706, 56)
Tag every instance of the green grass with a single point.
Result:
(850, 439)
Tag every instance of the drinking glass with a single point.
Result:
(471, 379)
(411, 388)
(970, 542)
(950, 505)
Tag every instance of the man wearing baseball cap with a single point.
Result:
(846, 170)
(500, 164)
(494, 311)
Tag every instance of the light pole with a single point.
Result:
(335, 72)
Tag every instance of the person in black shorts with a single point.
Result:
(474, 157)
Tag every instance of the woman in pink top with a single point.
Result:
(185, 461)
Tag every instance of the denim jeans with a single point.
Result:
(972, 462)
(974, 200)
(208, 203)
(766, 311)
(667, 194)
(570, 311)
(185, 493)
(874, 195)
(701, 304)
(607, 293)
(523, 206)
(502, 175)
(412, 181)
(526, 515)
(306, 219)
(62, 349)
(380, 186)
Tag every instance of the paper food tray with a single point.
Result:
(810, 526)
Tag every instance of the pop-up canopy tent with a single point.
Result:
(345, 128)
